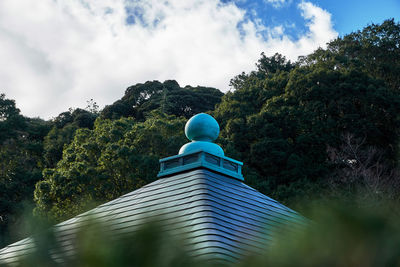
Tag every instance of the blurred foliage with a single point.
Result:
(338, 235)
(95, 244)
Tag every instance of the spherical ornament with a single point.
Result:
(203, 146)
(202, 127)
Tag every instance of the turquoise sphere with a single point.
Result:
(202, 146)
(202, 127)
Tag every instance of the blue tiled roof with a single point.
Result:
(221, 216)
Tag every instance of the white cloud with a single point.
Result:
(320, 31)
(59, 54)
(277, 3)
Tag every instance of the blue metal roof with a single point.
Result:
(222, 217)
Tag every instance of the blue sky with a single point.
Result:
(59, 54)
(347, 15)
(353, 15)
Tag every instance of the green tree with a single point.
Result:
(319, 106)
(167, 97)
(101, 164)
(280, 120)
(62, 132)
(21, 153)
(11, 121)
(375, 50)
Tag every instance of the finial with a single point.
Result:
(202, 129)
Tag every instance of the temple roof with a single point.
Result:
(222, 216)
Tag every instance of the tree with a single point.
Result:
(375, 50)
(21, 153)
(280, 123)
(62, 133)
(167, 97)
(360, 174)
(11, 121)
(101, 164)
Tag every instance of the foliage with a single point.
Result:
(20, 164)
(338, 235)
(362, 171)
(101, 164)
(167, 97)
(11, 121)
(374, 50)
(282, 117)
(97, 245)
(55, 141)
(62, 133)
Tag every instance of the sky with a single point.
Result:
(58, 54)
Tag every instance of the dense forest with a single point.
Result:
(323, 127)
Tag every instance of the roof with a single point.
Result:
(222, 217)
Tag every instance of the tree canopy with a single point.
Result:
(21, 163)
(101, 164)
(281, 118)
(167, 97)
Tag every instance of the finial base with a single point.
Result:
(202, 145)
(200, 158)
